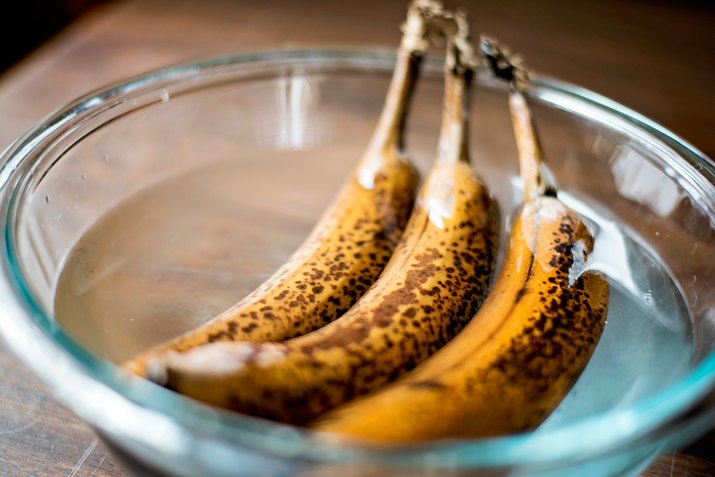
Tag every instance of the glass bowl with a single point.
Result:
(141, 210)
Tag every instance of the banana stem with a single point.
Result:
(389, 133)
(527, 143)
(459, 73)
(531, 157)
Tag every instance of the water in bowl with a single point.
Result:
(183, 250)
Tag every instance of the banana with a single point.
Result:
(435, 281)
(349, 246)
(522, 352)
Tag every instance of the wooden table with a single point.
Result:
(655, 57)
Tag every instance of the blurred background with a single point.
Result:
(653, 56)
(36, 22)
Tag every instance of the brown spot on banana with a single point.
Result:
(515, 361)
(350, 244)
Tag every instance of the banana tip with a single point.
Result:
(156, 371)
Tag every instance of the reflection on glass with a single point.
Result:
(294, 97)
(639, 180)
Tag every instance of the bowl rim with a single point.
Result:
(606, 431)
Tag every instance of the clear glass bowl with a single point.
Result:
(168, 197)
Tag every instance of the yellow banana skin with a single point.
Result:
(433, 284)
(515, 361)
(350, 244)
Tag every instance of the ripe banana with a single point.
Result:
(435, 281)
(350, 244)
(522, 352)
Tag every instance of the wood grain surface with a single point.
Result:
(655, 57)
